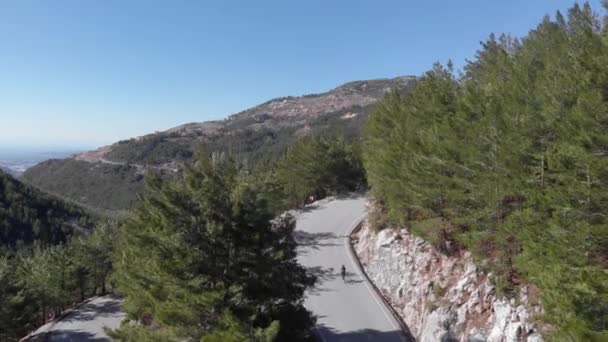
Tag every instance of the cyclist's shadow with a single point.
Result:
(351, 278)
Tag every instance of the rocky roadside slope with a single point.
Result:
(443, 298)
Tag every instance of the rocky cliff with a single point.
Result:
(443, 298)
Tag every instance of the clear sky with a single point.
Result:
(95, 71)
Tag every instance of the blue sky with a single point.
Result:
(93, 72)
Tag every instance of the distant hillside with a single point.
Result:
(28, 215)
(101, 186)
(110, 178)
(263, 131)
(9, 171)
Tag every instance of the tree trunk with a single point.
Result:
(542, 171)
(95, 278)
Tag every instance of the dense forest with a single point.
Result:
(39, 282)
(209, 255)
(50, 257)
(206, 254)
(28, 215)
(509, 160)
(203, 257)
(104, 188)
(319, 166)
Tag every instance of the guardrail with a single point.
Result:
(404, 328)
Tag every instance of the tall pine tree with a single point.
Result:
(204, 251)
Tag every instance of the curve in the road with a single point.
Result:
(348, 310)
(85, 323)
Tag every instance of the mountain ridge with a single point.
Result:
(277, 113)
(99, 178)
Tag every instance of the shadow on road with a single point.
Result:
(350, 195)
(73, 336)
(91, 311)
(352, 278)
(315, 240)
(323, 275)
(364, 335)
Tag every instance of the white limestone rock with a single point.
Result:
(439, 296)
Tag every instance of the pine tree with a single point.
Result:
(319, 166)
(512, 165)
(16, 312)
(36, 275)
(202, 245)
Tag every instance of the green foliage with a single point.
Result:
(48, 257)
(319, 166)
(27, 215)
(229, 329)
(91, 258)
(433, 230)
(377, 218)
(16, 313)
(255, 137)
(38, 272)
(40, 281)
(510, 161)
(152, 149)
(102, 187)
(133, 332)
(404, 148)
(205, 245)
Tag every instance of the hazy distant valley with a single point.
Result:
(15, 160)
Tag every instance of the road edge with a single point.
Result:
(43, 331)
(407, 335)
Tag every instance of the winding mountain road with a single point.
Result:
(347, 310)
(85, 323)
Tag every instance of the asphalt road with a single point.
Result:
(347, 310)
(86, 323)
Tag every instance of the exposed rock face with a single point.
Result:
(442, 298)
